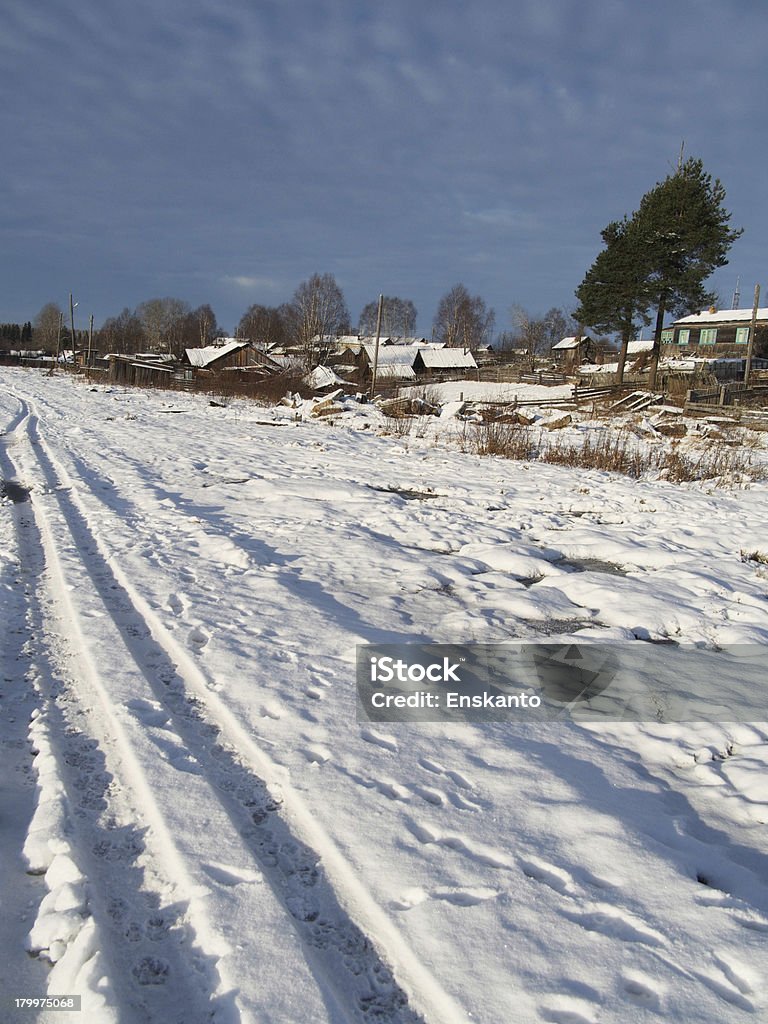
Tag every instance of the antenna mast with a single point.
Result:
(736, 295)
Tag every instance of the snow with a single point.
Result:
(322, 377)
(213, 834)
(453, 358)
(721, 316)
(486, 391)
(202, 357)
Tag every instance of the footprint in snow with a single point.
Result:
(271, 709)
(465, 897)
(178, 603)
(387, 742)
(568, 1010)
(556, 878)
(184, 762)
(615, 923)
(641, 991)
(437, 769)
(432, 796)
(281, 654)
(226, 874)
(477, 852)
(321, 680)
(148, 712)
(151, 971)
(459, 780)
(410, 898)
(198, 637)
(464, 803)
(316, 754)
(738, 974)
(391, 790)
(723, 985)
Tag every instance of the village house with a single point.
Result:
(230, 353)
(716, 334)
(394, 362)
(145, 370)
(571, 352)
(436, 362)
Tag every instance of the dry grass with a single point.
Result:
(759, 557)
(495, 437)
(614, 451)
(398, 425)
(610, 450)
(427, 394)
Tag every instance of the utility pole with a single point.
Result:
(376, 350)
(90, 346)
(58, 343)
(751, 342)
(72, 325)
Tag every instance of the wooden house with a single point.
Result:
(439, 362)
(232, 354)
(572, 352)
(716, 334)
(394, 362)
(144, 371)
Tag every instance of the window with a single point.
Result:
(683, 335)
(742, 335)
(708, 336)
(667, 336)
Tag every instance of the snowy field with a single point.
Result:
(194, 826)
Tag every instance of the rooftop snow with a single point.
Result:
(723, 316)
(447, 358)
(202, 357)
(390, 354)
(569, 342)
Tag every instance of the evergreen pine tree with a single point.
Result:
(684, 230)
(613, 295)
(659, 258)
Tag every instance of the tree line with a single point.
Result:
(316, 314)
(16, 335)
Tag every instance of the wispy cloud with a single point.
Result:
(247, 283)
(503, 217)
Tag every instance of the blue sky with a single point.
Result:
(224, 152)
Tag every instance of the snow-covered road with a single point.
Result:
(182, 592)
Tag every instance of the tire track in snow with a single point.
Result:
(20, 702)
(148, 940)
(324, 900)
